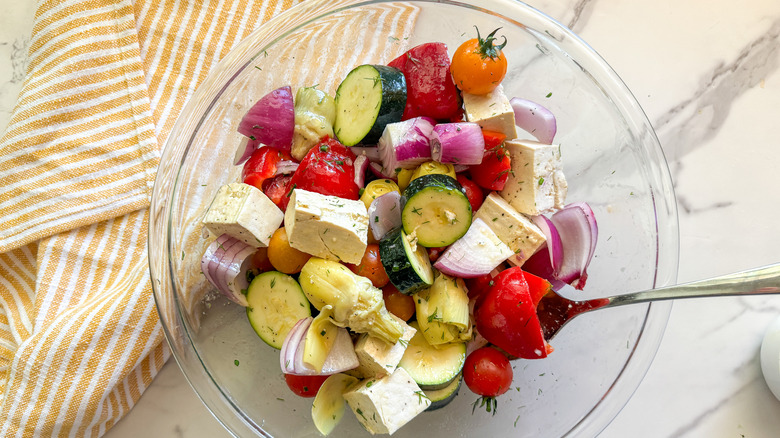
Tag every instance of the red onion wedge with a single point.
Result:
(406, 144)
(579, 233)
(535, 119)
(384, 214)
(572, 250)
(225, 264)
(457, 143)
(245, 149)
(271, 121)
(372, 152)
(286, 167)
(341, 356)
(290, 345)
(361, 165)
(477, 253)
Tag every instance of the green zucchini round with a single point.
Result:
(409, 270)
(442, 397)
(432, 367)
(369, 98)
(437, 210)
(276, 303)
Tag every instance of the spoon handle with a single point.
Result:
(757, 281)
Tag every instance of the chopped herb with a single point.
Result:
(359, 412)
(235, 362)
(549, 94)
(273, 283)
(322, 333)
(369, 384)
(541, 180)
(420, 396)
(258, 68)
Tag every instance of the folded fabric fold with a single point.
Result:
(80, 339)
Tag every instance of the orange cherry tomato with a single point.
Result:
(479, 65)
(397, 303)
(371, 267)
(284, 257)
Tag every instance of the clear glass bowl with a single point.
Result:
(612, 159)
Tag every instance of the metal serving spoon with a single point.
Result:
(555, 311)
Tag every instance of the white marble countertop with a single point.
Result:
(706, 73)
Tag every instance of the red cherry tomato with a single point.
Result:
(494, 169)
(371, 267)
(435, 252)
(487, 373)
(473, 192)
(304, 386)
(506, 316)
(277, 190)
(261, 165)
(328, 168)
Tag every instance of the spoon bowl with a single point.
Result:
(556, 310)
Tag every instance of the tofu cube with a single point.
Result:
(491, 111)
(327, 226)
(378, 357)
(521, 235)
(245, 213)
(536, 184)
(385, 404)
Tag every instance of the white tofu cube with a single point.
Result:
(521, 235)
(327, 226)
(491, 111)
(245, 213)
(536, 184)
(385, 404)
(378, 357)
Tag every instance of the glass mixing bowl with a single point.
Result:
(612, 160)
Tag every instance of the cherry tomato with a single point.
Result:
(262, 164)
(493, 172)
(397, 303)
(284, 257)
(370, 266)
(473, 192)
(506, 316)
(276, 189)
(304, 386)
(260, 260)
(479, 65)
(435, 252)
(328, 168)
(487, 372)
(477, 286)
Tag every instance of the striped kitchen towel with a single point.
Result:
(80, 338)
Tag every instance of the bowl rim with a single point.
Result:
(656, 314)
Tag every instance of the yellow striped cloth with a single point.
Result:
(80, 339)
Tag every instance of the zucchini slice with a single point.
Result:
(276, 303)
(408, 269)
(370, 97)
(432, 367)
(442, 397)
(437, 210)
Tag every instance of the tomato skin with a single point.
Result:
(328, 168)
(260, 260)
(371, 267)
(304, 386)
(261, 165)
(429, 86)
(473, 192)
(487, 372)
(276, 189)
(435, 252)
(493, 172)
(284, 257)
(479, 65)
(397, 303)
(506, 316)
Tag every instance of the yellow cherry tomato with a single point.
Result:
(479, 65)
(283, 257)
